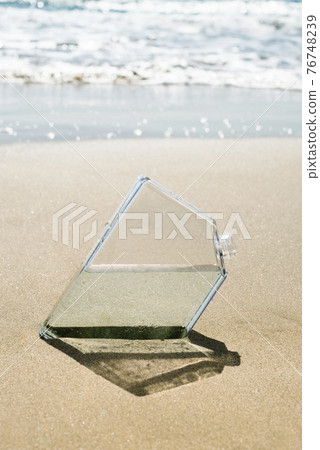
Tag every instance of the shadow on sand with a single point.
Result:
(147, 367)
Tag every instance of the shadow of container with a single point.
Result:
(147, 367)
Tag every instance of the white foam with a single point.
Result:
(220, 43)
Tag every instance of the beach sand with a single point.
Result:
(52, 398)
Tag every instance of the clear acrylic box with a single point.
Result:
(152, 273)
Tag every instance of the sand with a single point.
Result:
(240, 388)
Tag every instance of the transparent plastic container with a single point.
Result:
(152, 273)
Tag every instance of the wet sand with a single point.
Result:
(235, 384)
(92, 111)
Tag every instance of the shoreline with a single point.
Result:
(139, 112)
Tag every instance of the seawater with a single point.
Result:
(219, 43)
(139, 304)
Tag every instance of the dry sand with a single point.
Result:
(52, 400)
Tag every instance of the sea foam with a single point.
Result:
(220, 43)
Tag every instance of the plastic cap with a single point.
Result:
(227, 246)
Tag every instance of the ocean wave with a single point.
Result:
(220, 43)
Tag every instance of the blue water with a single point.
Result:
(116, 112)
(251, 44)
